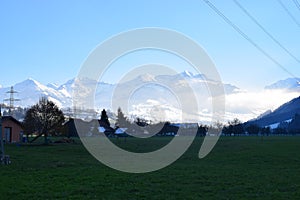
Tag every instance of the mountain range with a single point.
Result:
(30, 91)
(285, 113)
(150, 94)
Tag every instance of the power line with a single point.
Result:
(289, 13)
(245, 36)
(297, 4)
(264, 30)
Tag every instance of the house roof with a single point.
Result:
(105, 128)
(120, 131)
(5, 118)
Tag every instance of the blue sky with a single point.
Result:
(49, 40)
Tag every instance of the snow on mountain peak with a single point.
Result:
(147, 77)
(52, 85)
(30, 91)
(29, 83)
(187, 74)
(287, 84)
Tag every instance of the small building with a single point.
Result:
(105, 128)
(69, 129)
(12, 130)
(121, 132)
(76, 127)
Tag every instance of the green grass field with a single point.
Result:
(237, 168)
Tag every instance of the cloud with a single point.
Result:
(243, 105)
(248, 105)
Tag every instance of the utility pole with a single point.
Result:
(4, 160)
(11, 99)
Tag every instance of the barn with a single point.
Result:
(12, 130)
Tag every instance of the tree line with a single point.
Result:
(46, 119)
(236, 128)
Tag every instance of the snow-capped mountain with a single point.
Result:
(149, 91)
(30, 90)
(52, 85)
(290, 84)
(154, 92)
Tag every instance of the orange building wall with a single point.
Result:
(15, 132)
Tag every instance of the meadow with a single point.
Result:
(237, 168)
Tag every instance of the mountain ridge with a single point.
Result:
(291, 84)
(30, 91)
(283, 113)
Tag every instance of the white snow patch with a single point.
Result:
(288, 121)
(274, 126)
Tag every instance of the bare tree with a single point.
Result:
(43, 118)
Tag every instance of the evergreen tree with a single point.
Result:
(104, 118)
(121, 119)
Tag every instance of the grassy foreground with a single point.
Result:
(237, 168)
